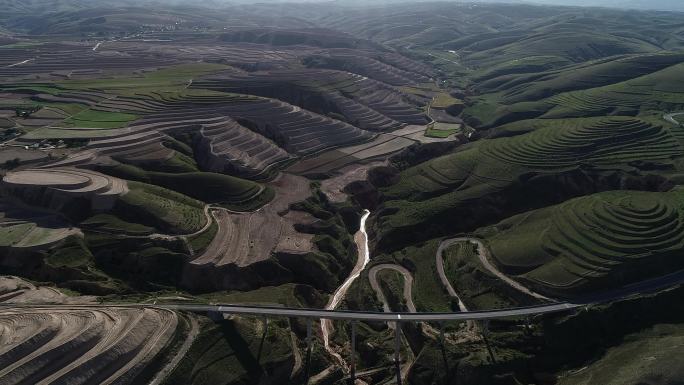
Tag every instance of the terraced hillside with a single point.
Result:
(508, 155)
(76, 192)
(366, 103)
(64, 185)
(58, 61)
(487, 35)
(239, 136)
(21, 228)
(558, 160)
(77, 344)
(100, 344)
(591, 243)
(645, 85)
(593, 73)
(365, 65)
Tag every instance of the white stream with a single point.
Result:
(361, 239)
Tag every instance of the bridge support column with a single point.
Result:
(215, 316)
(263, 338)
(442, 343)
(441, 333)
(352, 361)
(309, 346)
(397, 349)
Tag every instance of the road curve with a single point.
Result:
(408, 297)
(485, 259)
(408, 285)
(439, 262)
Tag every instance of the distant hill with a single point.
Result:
(664, 5)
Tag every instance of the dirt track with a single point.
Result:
(408, 285)
(483, 254)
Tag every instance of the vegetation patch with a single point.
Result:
(201, 241)
(162, 208)
(111, 223)
(99, 119)
(444, 100)
(442, 130)
(234, 351)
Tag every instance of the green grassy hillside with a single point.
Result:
(592, 243)
(574, 45)
(647, 357)
(595, 73)
(232, 192)
(651, 93)
(557, 160)
(161, 208)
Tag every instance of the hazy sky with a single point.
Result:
(673, 5)
(657, 4)
(670, 5)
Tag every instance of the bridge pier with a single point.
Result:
(352, 361)
(215, 316)
(263, 338)
(442, 343)
(309, 343)
(397, 348)
(441, 333)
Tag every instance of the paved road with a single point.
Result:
(271, 311)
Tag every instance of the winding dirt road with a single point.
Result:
(439, 262)
(408, 297)
(485, 259)
(408, 285)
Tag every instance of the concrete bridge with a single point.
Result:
(217, 312)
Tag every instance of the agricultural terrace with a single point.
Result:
(443, 100)
(105, 344)
(161, 208)
(591, 243)
(66, 183)
(366, 103)
(368, 66)
(23, 228)
(488, 167)
(594, 73)
(655, 87)
(56, 61)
